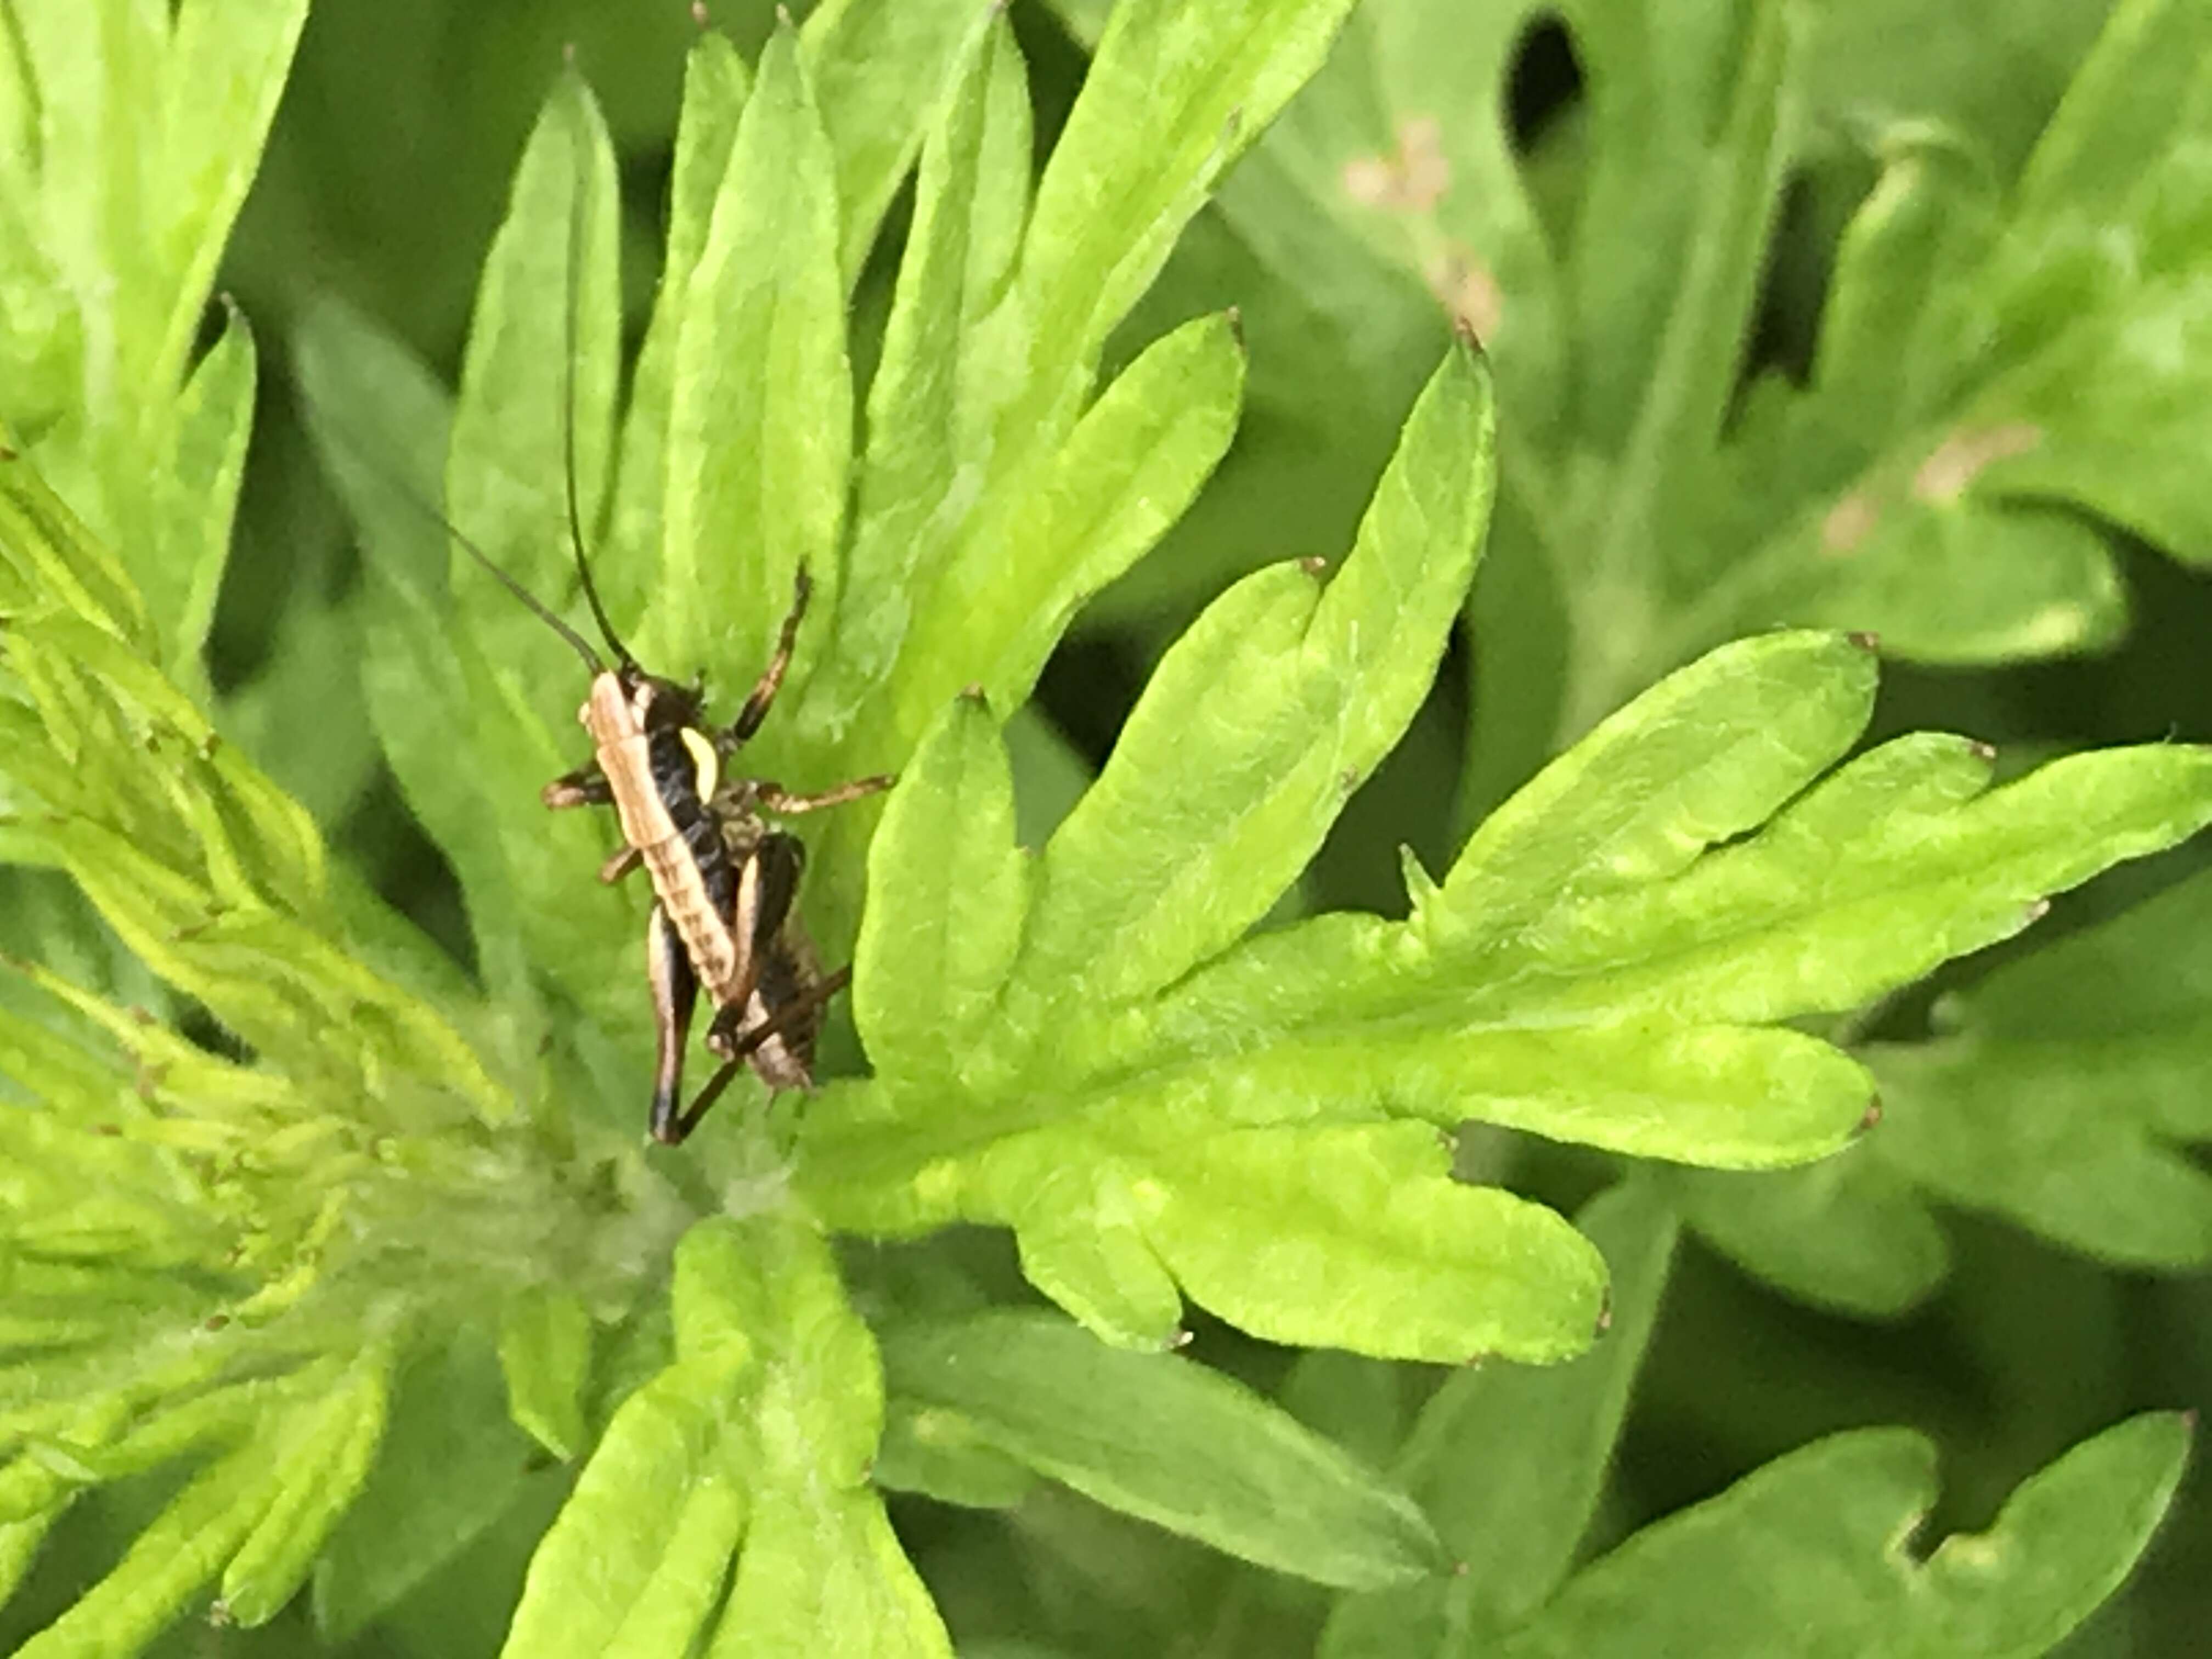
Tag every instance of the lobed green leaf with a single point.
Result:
(761, 404)
(1259, 721)
(878, 65)
(926, 402)
(1809, 1556)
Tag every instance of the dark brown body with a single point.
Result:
(725, 882)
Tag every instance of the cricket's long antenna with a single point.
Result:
(579, 207)
(577, 642)
(367, 456)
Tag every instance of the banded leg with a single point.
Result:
(586, 786)
(778, 1023)
(778, 800)
(771, 680)
(675, 994)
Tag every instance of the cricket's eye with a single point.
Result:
(705, 764)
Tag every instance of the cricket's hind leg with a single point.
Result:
(801, 1009)
(674, 995)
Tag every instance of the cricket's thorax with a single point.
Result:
(661, 779)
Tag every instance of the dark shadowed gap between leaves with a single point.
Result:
(1545, 81)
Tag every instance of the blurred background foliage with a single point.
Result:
(383, 181)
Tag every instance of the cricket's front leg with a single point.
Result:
(771, 680)
(675, 994)
(586, 786)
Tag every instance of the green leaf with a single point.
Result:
(1849, 1232)
(828, 1577)
(1151, 131)
(19, 1549)
(452, 1464)
(1159, 1177)
(644, 1539)
(2053, 1096)
(1170, 1441)
(1132, 464)
(1604, 963)
(1805, 1557)
(2062, 1087)
(1170, 100)
(1508, 1463)
(227, 60)
(761, 411)
(1992, 67)
(1166, 1441)
(878, 65)
(330, 1445)
(941, 1454)
(198, 494)
(171, 1559)
(51, 555)
(1259, 721)
(506, 468)
(545, 1352)
(468, 745)
(928, 405)
(144, 133)
(1984, 373)
(753, 1443)
(934, 952)
(211, 876)
(716, 84)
